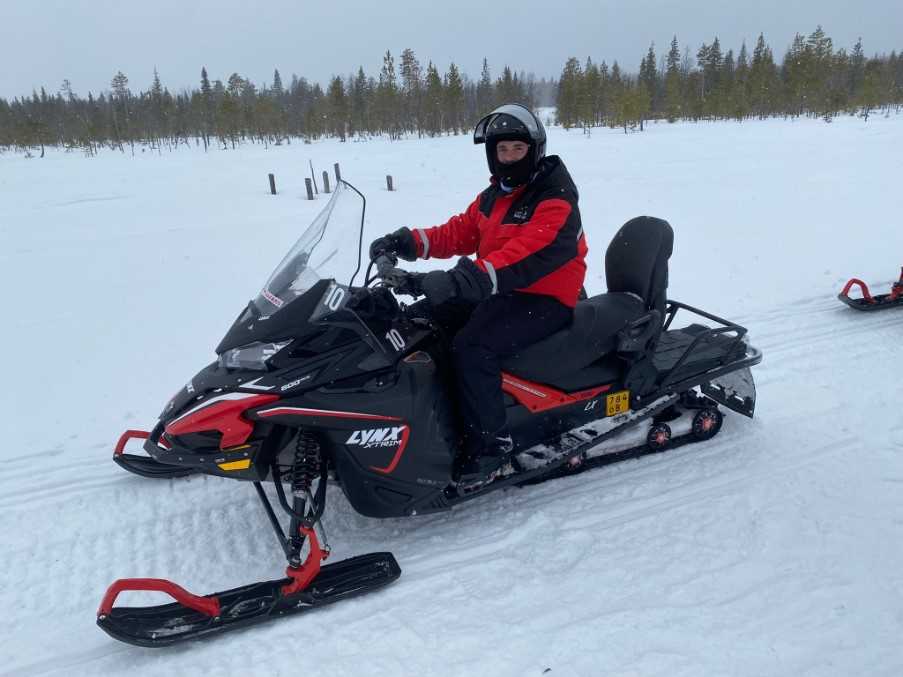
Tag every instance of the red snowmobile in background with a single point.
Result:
(869, 302)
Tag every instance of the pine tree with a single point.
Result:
(207, 107)
(387, 98)
(673, 94)
(796, 69)
(359, 115)
(433, 101)
(568, 101)
(338, 108)
(615, 93)
(648, 74)
(857, 68)
(506, 88)
(741, 85)
(484, 91)
(412, 90)
(120, 108)
(157, 113)
(589, 86)
(602, 98)
(724, 95)
(870, 95)
(454, 99)
(821, 50)
(762, 79)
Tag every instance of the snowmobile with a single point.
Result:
(321, 381)
(869, 302)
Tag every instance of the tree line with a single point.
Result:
(813, 80)
(403, 99)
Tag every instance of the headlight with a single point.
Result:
(252, 356)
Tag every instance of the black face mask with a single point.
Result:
(515, 173)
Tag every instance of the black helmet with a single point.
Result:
(511, 122)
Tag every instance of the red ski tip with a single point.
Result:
(862, 285)
(205, 605)
(128, 435)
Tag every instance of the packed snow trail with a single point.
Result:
(773, 549)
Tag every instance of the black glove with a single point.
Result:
(403, 282)
(412, 285)
(400, 242)
(465, 281)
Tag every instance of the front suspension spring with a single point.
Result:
(306, 466)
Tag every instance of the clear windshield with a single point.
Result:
(328, 249)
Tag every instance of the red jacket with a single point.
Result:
(530, 240)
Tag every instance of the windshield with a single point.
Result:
(328, 249)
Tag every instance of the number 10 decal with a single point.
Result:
(395, 339)
(335, 298)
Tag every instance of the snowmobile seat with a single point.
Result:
(584, 354)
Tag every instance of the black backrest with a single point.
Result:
(637, 260)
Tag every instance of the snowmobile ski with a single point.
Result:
(193, 617)
(872, 302)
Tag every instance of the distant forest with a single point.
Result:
(813, 79)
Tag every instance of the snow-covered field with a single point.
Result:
(775, 549)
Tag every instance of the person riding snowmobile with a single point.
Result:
(530, 248)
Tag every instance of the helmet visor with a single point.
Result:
(519, 113)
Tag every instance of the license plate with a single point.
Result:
(617, 403)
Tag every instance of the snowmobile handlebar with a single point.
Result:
(401, 281)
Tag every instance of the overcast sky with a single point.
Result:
(87, 41)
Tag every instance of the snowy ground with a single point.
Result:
(775, 549)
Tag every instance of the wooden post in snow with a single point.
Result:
(389, 182)
(313, 180)
(325, 181)
(338, 173)
(272, 184)
(310, 189)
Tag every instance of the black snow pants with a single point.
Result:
(484, 334)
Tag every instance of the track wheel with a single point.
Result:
(575, 463)
(659, 436)
(706, 423)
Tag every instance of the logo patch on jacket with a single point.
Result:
(521, 214)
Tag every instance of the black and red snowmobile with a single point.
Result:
(321, 381)
(872, 302)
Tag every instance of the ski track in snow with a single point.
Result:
(771, 550)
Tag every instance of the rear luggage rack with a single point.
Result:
(683, 355)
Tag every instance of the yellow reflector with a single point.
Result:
(243, 464)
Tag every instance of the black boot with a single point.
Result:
(482, 465)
